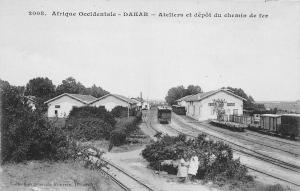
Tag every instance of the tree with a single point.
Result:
(249, 103)
(218, 108)
(174, 94)
(70, 85)
(26, 134)
(178, 92)
(191, 90)
(40, 87)
(96, 91)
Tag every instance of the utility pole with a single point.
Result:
(142, 102)
(128, 110)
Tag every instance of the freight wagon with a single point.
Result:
(163, 114)
(290, 125)
(180, 110)
(270, 122)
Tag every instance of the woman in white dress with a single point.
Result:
(182, 169)
(193, 167)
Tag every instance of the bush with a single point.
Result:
(216, 161)
(26, 134)
(229, 125)
(119, 111)
(88, 128)
(118, 137)
(124, 127)
(92, 112)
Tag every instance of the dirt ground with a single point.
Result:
(59, 176)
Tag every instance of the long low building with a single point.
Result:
(61, 105)
(110, 101)
(201, 106)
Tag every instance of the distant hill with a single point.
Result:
(291, 106)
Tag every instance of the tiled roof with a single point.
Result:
(184, 98)
(128, 100)
(200, 96)
(125, 98)
(85, 98)
(82, 98)
(138, 99)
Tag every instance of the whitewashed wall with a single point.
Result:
(110, 102)
(184, 104)
(66, 105)
(203, 111)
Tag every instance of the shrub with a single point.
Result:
(124, 127)
(26, 134)
(215, 158)
(92, 112)
(118, 137)
(119, 111)
(88, 128)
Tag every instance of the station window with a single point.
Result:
(55, 112)
(230, 104)
(57, 106)
(211, 104)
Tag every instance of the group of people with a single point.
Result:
(187, 168)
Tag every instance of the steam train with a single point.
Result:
(164, 114)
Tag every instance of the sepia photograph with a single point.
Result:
(150, 95)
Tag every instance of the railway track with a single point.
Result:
(251, 141)
(273, 140)
(240, 149)
(243, 149)
(125, 180)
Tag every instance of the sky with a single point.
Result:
(129, 55)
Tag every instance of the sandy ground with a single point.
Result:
(134, 163)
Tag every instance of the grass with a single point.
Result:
(53, 176)
(253, 186)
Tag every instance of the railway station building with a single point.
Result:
(201, 106)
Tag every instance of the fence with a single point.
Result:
(238, 119)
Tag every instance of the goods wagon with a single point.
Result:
(180, 110)
(290, 125)
(270, 122)
(164, 114)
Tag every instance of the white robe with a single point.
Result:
(193, 167)
(182, 168)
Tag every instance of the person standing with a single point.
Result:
(193, 167)
(182, 169)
